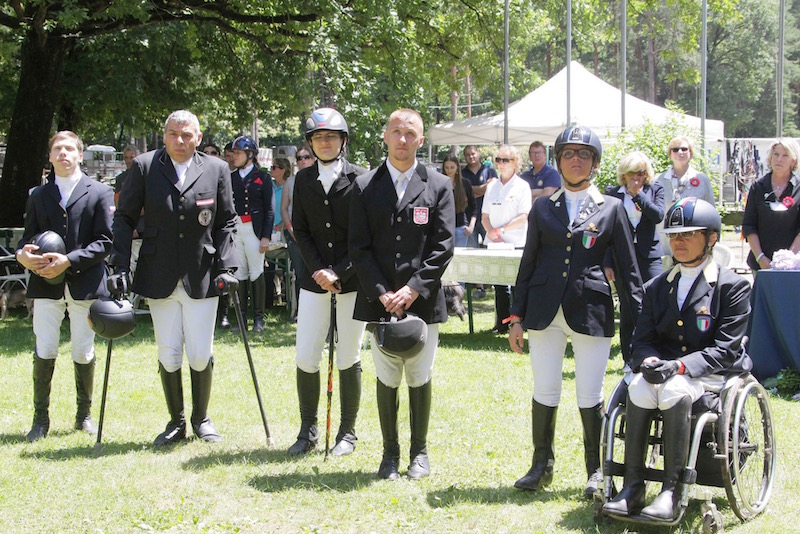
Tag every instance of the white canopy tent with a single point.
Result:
(541, 115)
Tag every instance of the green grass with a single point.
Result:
(479, 444)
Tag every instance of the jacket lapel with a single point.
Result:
(80, 190)
(558, 207)
(167, 169)
(52, 188)
(704, 285)
(192, 173)
(590, 207)
(342, 181)
(416, 185)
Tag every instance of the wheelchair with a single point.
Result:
(732, 446)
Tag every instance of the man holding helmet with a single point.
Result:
(562, 291)
(255, 207)
(402, 234)
(187, 258)
(688, 337)
(321, 217)
(67, 235)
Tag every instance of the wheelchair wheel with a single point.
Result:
(748, 440)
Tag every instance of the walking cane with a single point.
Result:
(332, 339)
(112, 318)
(99, 443)
(239, 317)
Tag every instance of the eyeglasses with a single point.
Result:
(329, 137)
(676, 149)
(637, 173)
(211, 152)
(503, 160)
(306, 156)
(583, 153)
(685, 235)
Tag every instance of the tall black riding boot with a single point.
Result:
(540, 474)
(308, 395)
(419, 401)
(592, 419)
(42, 378)
(84, 384)
(201, 395)
(388, 404)
(259, 297)
(350, 398)
(677, 425)
(243, 293)
(222, 311)
(630, 500)
(173, 393)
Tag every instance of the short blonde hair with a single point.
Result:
(633, 162)
(66, 134)
(676, 141)
(514, 154)
(790, 145)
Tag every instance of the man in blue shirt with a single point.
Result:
(543, 179)
(479, 175)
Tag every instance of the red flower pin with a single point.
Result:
(788, 202)
(695, 182)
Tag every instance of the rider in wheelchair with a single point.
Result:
(687, 339)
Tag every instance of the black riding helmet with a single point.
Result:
(400, 338)
(111, 318)
(579, 135)
(692, 213)
(49, 241)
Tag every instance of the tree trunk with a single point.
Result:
(651, 70)
(31, 120)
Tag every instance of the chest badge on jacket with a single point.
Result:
(421, 215)
(703, 319)
(590, 236)
(204, 217)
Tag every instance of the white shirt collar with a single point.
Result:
(244, 172)
(394, 173)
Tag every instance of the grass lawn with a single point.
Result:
(479, 444)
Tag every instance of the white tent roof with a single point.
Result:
(541, 115)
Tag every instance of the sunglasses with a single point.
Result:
(637, 173)
(212, 152)
(503, 160)
(275, 167)
(304, 157)
(583, 153)
(680, 149)
(685, 235)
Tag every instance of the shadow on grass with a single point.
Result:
(89, 451)
(10, 439)
(252, 456)
(338, 482)
(455, 495)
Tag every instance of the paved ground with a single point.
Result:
(739, 250)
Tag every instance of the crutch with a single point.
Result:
(332, 339)
(239, 317)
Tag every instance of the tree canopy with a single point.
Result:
(114, 70)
